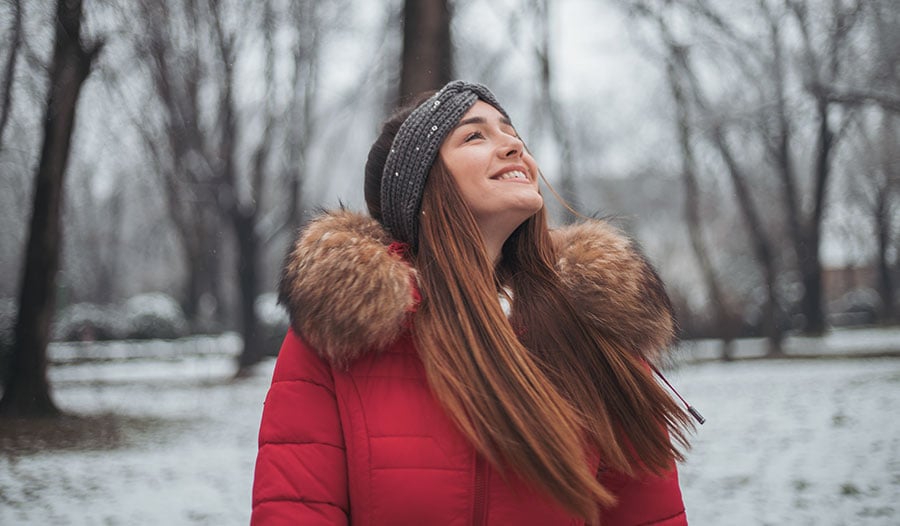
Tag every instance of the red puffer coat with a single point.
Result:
(351, 433)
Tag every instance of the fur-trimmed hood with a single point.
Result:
(347, 291)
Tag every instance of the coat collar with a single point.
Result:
(348, 289)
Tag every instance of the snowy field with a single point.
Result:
(172, 441)
(801, 442)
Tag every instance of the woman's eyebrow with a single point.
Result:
(480, 120)
(470, 120)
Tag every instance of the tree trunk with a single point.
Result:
(760, 242)
(779, 146)
(248, 248)
(27, 390)
(810, 265)
(885, 216)
(183, 160)
(721, 311)
(887, 313)
(243, 212)
(828, 64)
(771, 325)
(427, 52)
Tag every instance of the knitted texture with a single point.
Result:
(414, 150)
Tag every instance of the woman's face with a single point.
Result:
(495, 174)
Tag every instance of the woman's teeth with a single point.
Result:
(515, 174)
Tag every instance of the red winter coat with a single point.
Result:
(351, 433)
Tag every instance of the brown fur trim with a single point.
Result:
(610, 279)
(346, 293)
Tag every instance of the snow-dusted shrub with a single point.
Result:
(87, 322)
(154, 316)
(273, 322)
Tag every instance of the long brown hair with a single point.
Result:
(541, 390)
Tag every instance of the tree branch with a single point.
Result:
(856, 96)
(10, 72)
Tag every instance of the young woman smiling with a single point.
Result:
(404, 393)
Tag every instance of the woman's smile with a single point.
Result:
(496, 175)
(513, 174)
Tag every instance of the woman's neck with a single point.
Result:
(494, 237)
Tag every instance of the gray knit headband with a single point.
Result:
(414, 150)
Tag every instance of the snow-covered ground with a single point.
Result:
(173, 442)
(801, 442)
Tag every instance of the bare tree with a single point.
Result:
(684, 83)
(233, 165)
(787, 116)
(722, 311)
(304, 17)
(178, 69)
(886, 19)
(27, 391)
(821, 70)
(242, 208)
(884, 210)
(878, 158)
(427, 60)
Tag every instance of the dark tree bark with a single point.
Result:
(27, 390)
(427, 61)
(887, 314)
(885, 216)
(811, 264)
(248, 277)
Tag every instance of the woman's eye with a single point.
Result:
(474, 135)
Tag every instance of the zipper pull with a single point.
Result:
(691, 409)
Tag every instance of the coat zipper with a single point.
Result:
(480, 505)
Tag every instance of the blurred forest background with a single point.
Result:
(751, 146)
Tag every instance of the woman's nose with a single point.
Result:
(512, 147)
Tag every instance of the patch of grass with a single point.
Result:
(800, 484)
(839, 420)
(849, 489)
(893, 378)
(883, 511)
(735, 482)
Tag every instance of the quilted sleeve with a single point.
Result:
(645, 499)
(301, 466)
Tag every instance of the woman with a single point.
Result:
(404, 393)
